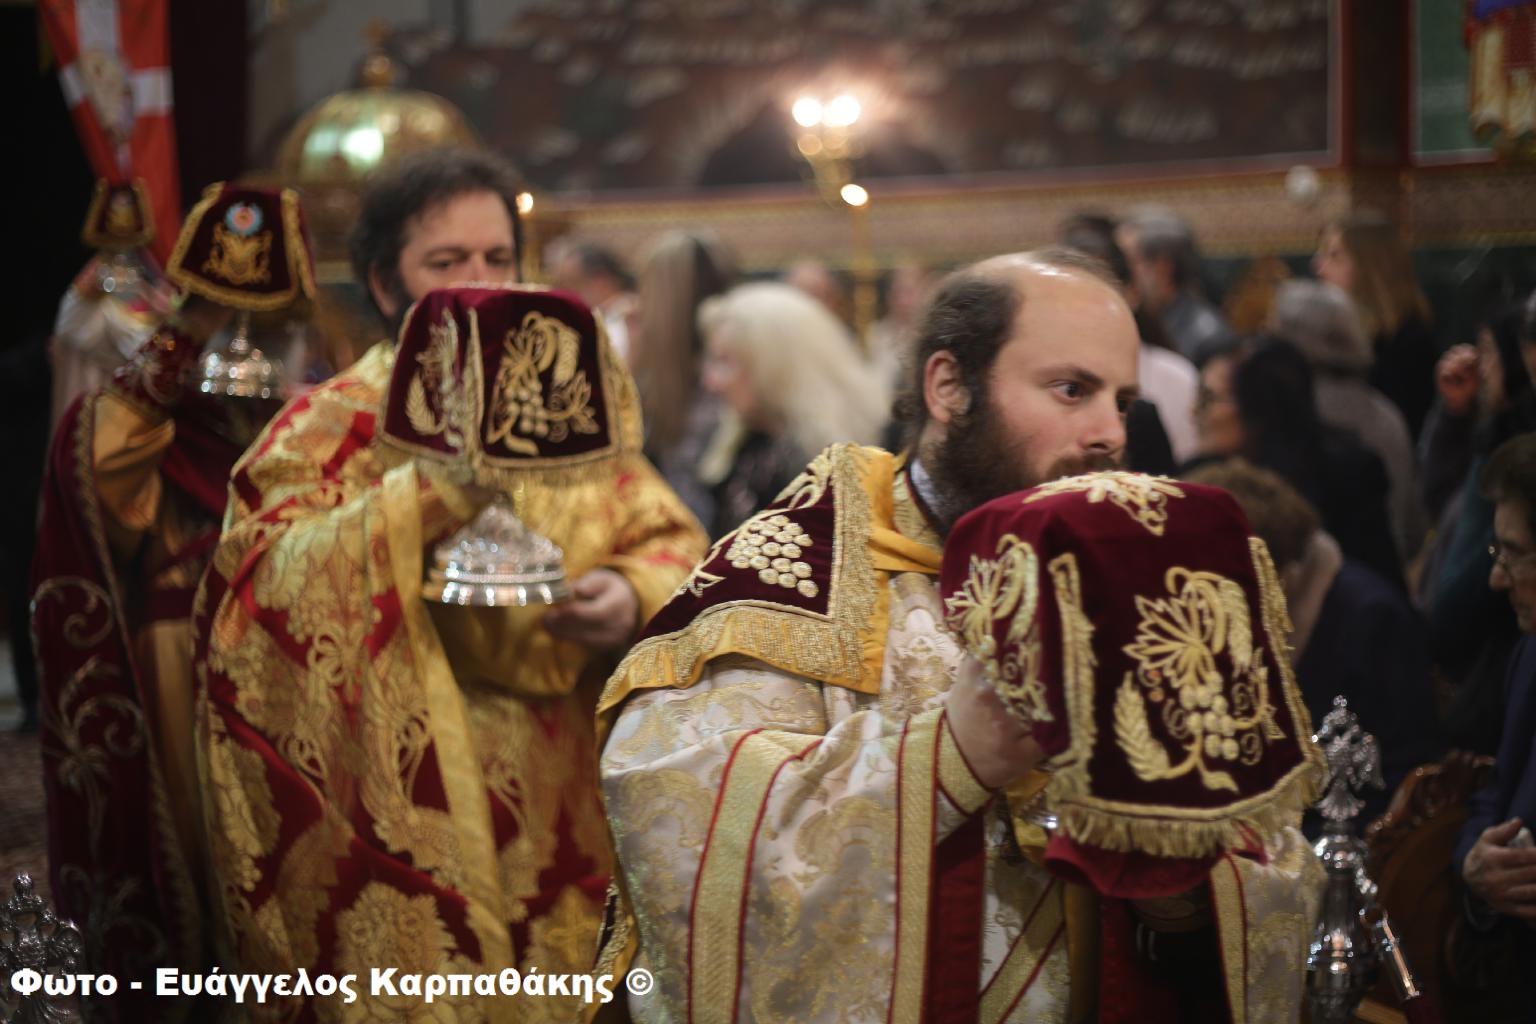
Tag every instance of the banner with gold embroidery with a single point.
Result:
(115, 70)
(1138, 628)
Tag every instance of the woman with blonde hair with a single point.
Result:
(1363, 254)
(792, 381)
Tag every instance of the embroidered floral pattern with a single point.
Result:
(240, 259)
(1176, 648)
(770, 543)
(437, 379)
(1005, 588)
(1144, 498)
(520, 407)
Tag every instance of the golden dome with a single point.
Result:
(346, 136)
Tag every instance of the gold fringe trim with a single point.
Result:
(1122, 831)
(565, 476)
(800, 642)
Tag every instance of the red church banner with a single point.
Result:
(115, 70)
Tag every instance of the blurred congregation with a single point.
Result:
(755, 245)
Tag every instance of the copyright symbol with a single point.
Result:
(639, 981)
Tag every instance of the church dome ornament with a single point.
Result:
(345, 137)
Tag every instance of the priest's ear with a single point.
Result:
(944, 390)
(388, 296)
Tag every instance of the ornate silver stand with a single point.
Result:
(1354, 938)
(33, 938)
(242, 371)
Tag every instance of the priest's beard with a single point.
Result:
(977, 460)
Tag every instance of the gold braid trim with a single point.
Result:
(1277, 623)
(842, 648)
(300, 259)
(617, 948)
(1006, 989)
(917, 758)
(720, 903)
(1232, 933)
(1167, 830)
(458, 761)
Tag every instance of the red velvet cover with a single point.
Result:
(514, 376)
(246, 248)
(119, 217)
(1137, 626)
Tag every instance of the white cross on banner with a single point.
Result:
(114, 68)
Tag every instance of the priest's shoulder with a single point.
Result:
(794, 586)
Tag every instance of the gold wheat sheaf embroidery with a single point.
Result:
(520, 409)
(1144, 498)
(1214, 719)
(240, 261)
(449, 415)
(996, 589)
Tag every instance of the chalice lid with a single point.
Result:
(496, 561)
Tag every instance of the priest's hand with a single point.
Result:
(996, 745)
(202, 318)
(1501, 875)
(602, 617)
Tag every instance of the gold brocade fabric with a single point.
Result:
(822, 936)
(1264, 921)
(367, 805)
(776, 834)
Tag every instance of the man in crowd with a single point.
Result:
(800, 761)
(1496, 857)
(596, 276)
(398, 784)
(1165, 264)
(818, 280)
